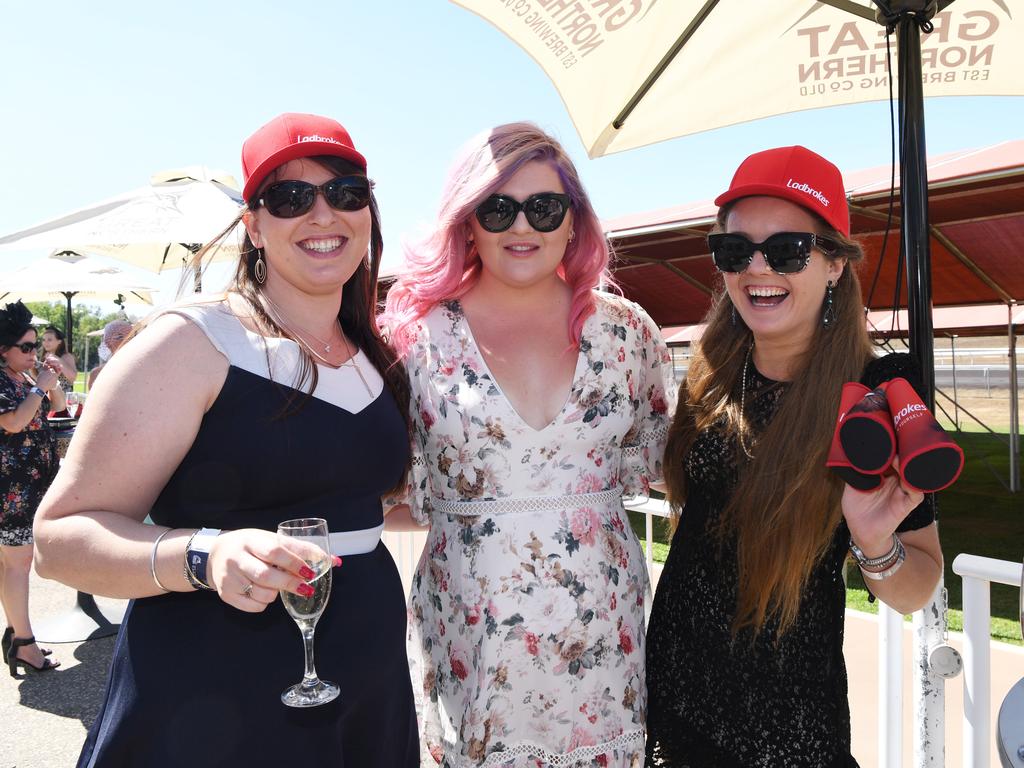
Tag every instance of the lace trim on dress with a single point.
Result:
(524, 504)
(627, 740)
(644, 440)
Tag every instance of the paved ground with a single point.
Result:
(44, 717)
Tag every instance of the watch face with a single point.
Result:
(203, 540)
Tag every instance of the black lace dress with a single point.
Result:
(716, 702)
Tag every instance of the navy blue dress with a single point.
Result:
(195, 682)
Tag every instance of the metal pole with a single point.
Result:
(956, 397)
(1014, 413)
(68, 324)
(929, 689)
(915, 241)
(914, 231)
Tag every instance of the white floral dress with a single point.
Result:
(526, 626)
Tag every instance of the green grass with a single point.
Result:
(977, 515)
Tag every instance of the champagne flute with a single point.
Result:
(306, 611)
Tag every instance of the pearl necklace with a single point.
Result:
(350, 362)
(743, 401)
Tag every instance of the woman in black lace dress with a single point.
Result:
(744, 655)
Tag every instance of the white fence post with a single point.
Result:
(976, 573)
(890, 687)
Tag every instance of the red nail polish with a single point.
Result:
(306, 572)
(336, 560)
(305, 590)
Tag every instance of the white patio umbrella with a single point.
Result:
(49, 278)
(155, 227)
(638, 72)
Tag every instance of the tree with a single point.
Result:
(84, 318)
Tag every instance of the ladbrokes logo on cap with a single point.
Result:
(802, 187)
(317, 137)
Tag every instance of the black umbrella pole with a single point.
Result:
(68, 322)
(914, 202)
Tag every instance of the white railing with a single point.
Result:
(650, 508)
(977, 574)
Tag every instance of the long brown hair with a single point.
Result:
(785, 508)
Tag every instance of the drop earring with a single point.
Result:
(735, 322)
(828, 317)
(259, 269)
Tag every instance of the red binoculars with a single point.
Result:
(874, 425)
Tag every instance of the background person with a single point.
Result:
(53, 344)
(276, 401)
(114, 334)
(28, 462)
(537, 402)
(744, 658)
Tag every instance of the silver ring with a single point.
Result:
(247, 592)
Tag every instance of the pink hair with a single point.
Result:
(444, 266)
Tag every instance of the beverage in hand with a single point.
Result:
(308, 609)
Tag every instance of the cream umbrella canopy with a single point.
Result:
(49, 278)
(155, 227)
(636, 72)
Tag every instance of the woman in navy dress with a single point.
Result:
(220, 419)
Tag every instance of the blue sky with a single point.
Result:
(96, 97)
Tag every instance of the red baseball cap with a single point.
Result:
(795, 174)
(289, 137)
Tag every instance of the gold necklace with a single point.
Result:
(290, 325)
(351, 361)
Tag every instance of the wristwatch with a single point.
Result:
(36, 390)
(197, 553)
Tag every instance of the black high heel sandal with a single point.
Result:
(13, 661)
(5, 644)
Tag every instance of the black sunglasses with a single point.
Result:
(289, 199)
(29, 346)
(545, 211)
(785, 252)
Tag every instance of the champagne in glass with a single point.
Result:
(306, 611)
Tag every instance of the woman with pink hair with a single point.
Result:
(537, 402)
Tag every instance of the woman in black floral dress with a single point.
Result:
(28, 462)
(744, 656)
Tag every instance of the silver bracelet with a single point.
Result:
(874, 562)
(152, 560)
(891, 568)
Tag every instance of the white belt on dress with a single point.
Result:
(524, 503)
(346, 543)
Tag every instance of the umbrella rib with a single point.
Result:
(853, 8)
(659, 70)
